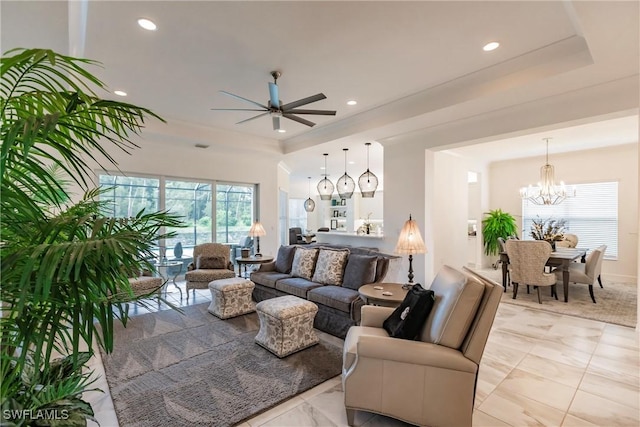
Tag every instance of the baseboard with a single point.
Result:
(620, 278)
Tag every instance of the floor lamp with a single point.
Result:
(256, 231)
(410, 242)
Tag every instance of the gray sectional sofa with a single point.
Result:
(330, 278)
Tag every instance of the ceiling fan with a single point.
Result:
(276, 109)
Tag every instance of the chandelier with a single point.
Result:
(309, 204)
(345, 185)
(547, 192)
(368, 182)
(325, 186)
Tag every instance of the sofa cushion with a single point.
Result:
(267, 278)
(334, 296)
(284, 260)
(360, 270)
(304, 263)
(457, 300)
(210, 262)
(296, 286)
(330, 266)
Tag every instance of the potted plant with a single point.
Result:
(549, 230)
(497, 224)
(64, 265)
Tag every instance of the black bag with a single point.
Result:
(406, 321)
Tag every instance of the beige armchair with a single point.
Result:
(431, 381)
(527, 259)
(199, 273)
(587, 273)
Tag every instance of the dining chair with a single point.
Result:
(588, 272)
(503, 248)
(527, 259)
(568, 241)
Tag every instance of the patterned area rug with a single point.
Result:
(170, 369)
(615, 303)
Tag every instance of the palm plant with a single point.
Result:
(64, 265)
(497, 224)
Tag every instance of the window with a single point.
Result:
(297, 214)
(192, 200)
(234, 212)
(592, 215)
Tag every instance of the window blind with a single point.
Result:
(592, 215)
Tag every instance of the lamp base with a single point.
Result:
(407, 286)
(257, 255)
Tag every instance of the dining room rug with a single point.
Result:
(615, 303)
(173, 369)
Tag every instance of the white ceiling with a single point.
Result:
(412, 66)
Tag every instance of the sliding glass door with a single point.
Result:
(235, 209)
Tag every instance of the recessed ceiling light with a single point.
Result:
(322, 167)
(282, 130)
(351, 162)
(352, 102)
(120, 92)
(490, 46)
(147, 24)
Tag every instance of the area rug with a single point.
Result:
(172, 369)
(615, 303)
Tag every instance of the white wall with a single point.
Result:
(619, 163)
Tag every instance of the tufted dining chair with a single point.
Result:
(527, 259)
(588, 272)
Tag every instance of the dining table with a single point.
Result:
(561, 258)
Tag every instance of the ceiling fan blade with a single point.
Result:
(298, 119)
(316, 112)
(274, 95)
(304, 101)
(235, 109)
(276, 122)
(244, 99)
(254, 117)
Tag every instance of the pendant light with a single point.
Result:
(368, 182)
(345, 184)
(325, 186)
(309, 204)
(547, 192)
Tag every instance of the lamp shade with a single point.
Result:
(410, 240)
(257, 230)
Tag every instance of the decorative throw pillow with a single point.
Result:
(210, 262)
(406, 321)
(330, 266)
(360, 270)
(304, 262)
(285, 259)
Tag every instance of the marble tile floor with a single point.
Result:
(538, 369)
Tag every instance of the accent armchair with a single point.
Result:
(431, 381)
(210, 262)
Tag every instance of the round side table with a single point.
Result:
(251, 260)
(375, 297)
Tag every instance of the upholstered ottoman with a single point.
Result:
(231, 297)
(286, 325)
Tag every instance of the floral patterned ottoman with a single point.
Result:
(231, 297)
(286, 325)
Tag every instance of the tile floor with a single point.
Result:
(538, 368)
